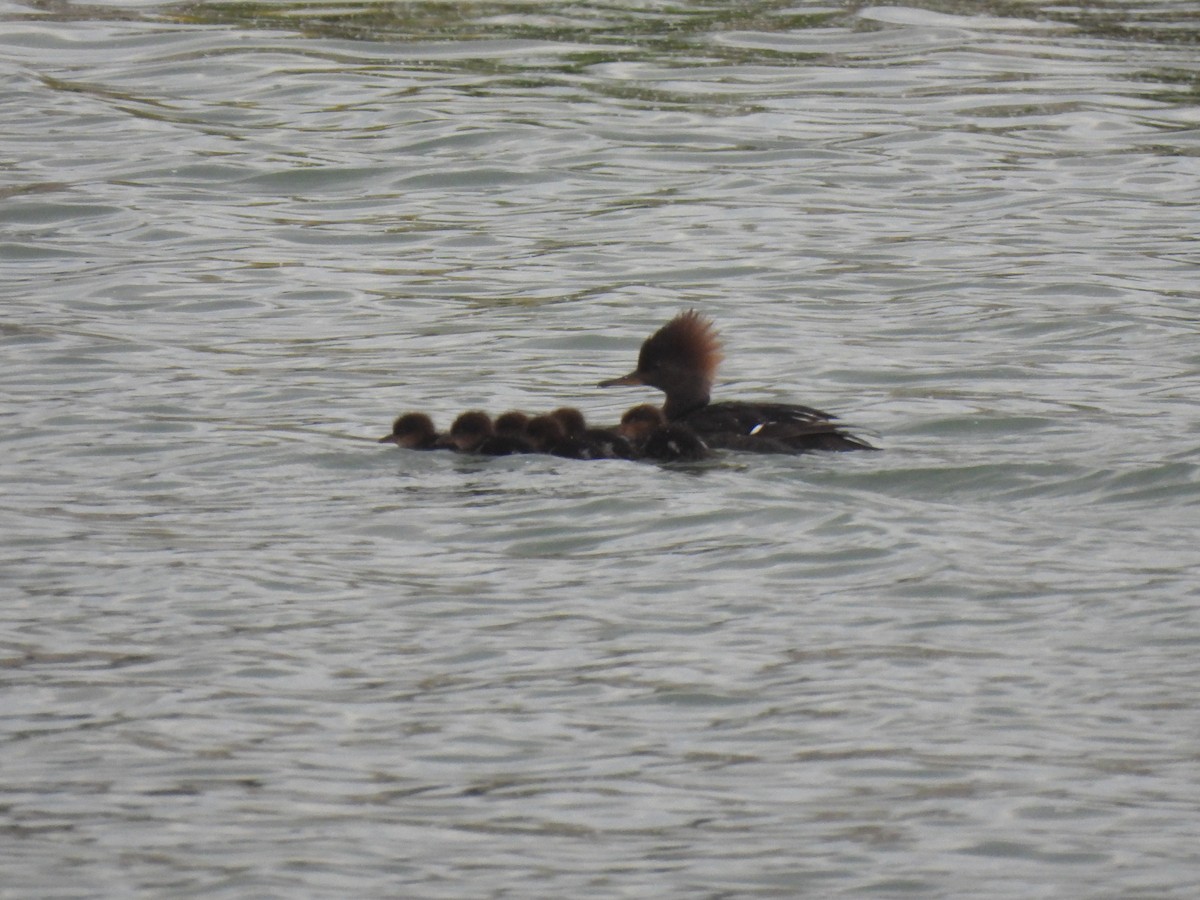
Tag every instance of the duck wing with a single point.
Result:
(770, 428)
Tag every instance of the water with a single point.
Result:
(249, 652)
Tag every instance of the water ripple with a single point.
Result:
(249, 651)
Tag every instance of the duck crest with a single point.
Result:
(689, 341)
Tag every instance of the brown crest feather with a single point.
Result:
(688, 341)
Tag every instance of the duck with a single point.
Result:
(652, 437)
(681, 359)
(592, 443)
(414, 431)
(473, 432)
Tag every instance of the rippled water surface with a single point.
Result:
(247, 651)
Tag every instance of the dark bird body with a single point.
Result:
(414, 431)
(681, 360)
(473, 432)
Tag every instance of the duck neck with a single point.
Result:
(680, 402)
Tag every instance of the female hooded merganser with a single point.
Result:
(414, 431)
(681, 359)
(472, 432)
(652, 437)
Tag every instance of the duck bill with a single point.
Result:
(389, 439)
(631, 380)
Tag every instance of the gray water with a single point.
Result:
(249, 652)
